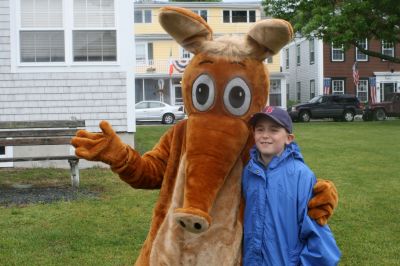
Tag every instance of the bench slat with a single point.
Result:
(35, 141)
(37, 133)
(41, 158)
(42, 124)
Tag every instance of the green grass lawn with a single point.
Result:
(362, 159)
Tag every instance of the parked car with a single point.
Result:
(379, 111)
(337, 106)
(158, 111)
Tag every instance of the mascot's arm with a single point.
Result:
(325, 200)
(139, 172)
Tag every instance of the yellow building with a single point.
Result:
(155, 49)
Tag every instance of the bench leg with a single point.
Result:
(74, 172)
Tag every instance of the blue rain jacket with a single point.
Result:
(277, 229)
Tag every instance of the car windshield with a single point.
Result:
(315, 99)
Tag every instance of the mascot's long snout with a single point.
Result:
(215, 143)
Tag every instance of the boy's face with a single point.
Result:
(270, 138)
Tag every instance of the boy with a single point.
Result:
(277, 186)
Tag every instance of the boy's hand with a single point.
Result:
(106, 146)
(325, 200)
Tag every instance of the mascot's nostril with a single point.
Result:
(197, 226)
(182, 223)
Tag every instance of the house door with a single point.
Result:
(387, 89)
(178, 94)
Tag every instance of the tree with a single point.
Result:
(342, 21)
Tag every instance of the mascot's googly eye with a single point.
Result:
(203, 92)
(237, 97)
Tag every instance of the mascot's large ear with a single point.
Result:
(268, 36)
(187, 28)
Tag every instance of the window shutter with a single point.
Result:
(41, 13)
(94, 14)
(150, 51)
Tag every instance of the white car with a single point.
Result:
(158, 111)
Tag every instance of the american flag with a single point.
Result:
(327, 86)
(356, 76)
(170, 65)
(180, 65)
(372, 84)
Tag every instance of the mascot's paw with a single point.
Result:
(325, 200)
(106, 146)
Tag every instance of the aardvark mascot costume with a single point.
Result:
(197, 164)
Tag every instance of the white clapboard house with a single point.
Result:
(67, 59)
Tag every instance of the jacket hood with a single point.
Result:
(291, 150)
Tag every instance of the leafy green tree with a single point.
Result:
(342, 21)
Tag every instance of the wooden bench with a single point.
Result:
(35, 133)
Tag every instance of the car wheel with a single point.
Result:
(305, 116)
(348, 116)
(380, 115)
(168, 119)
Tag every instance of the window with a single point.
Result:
(360, 56)
(337, 53)
(275, 93)
(185, 54)
(287, 58)
(239, 16)
(312, 51)
(142, 105)
(298, 54)
(337, 86)
(2, 150)
(362, 90)
(91, 44)
(144, 53)
(41, 34)
(156, 105)
(388, 48)
(45, 25)
(142, 16)
(202, 13)
(312, 88)
(298, 91)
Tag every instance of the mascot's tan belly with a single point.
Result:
(219, 245)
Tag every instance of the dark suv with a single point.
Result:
(339, 107)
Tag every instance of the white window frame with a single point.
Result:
(247, 15)
(68, 65)
(363, 88)
(143, 20)
(311, 45)
(298, 55)
(337, 49)
(198, 12)
(338, 86)
(387, 46)
(146, 61)
(360, 56)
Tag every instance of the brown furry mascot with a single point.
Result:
(197, 164)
